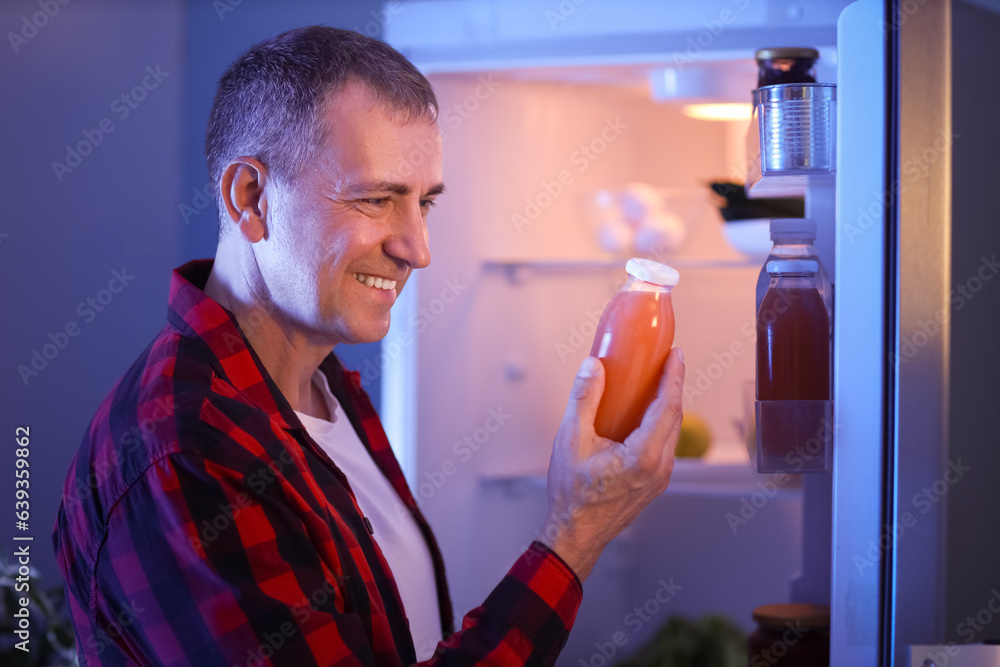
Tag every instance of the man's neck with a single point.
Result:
(289, 357)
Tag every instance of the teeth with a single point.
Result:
(375, 281)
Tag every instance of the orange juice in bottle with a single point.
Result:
(633, 340)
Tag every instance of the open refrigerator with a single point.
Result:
(543, 107)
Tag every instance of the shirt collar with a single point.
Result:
(196, 315)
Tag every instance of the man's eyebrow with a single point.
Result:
(395, 188)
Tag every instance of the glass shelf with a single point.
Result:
(725, 472)
(570, 265)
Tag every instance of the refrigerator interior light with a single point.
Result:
(718, 111)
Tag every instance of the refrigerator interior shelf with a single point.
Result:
(517, 270)
(724, 472)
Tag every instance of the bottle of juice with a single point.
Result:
(633, 339)
(793, 238)
(793, 335)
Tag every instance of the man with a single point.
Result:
(235, 500)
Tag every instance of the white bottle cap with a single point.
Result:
(792, 266)
(649, 271)
(793, 228)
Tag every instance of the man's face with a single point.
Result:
(354, 218)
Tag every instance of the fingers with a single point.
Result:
(664, 414)
(584, 397)
(672, 382)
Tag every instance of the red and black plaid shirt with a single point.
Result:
(200, 524)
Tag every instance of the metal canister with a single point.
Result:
(798, 123)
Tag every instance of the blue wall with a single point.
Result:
(63, 234)
(67, 232)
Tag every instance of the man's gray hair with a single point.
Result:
(269, 102)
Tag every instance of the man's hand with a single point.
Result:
(596, 486)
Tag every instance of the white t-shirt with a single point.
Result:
(395, 530)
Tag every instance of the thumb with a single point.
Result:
(588, 387)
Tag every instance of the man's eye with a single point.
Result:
(427, 203)
(377, 201)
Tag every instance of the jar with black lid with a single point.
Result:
(790, 635)
(787, 64)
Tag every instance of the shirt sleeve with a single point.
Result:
(525, 620)
(201, 567)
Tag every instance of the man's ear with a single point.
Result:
(242, 189)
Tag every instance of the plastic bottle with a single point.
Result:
(793, 238)
(633, 339)
(793, 335)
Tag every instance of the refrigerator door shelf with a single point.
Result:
(791, 143)
(792, 436)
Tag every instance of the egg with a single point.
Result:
(615, 236)
(659, 234)
(640, 200)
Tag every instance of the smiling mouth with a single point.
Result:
(377, 282)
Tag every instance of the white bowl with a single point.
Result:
(751, 237)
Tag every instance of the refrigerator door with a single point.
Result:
(920, 219)
(859, 338)
(891, 473)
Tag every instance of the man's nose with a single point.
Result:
(409, 240)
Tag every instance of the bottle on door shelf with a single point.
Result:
(793, 238)
(793, 335)
(633, 339)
